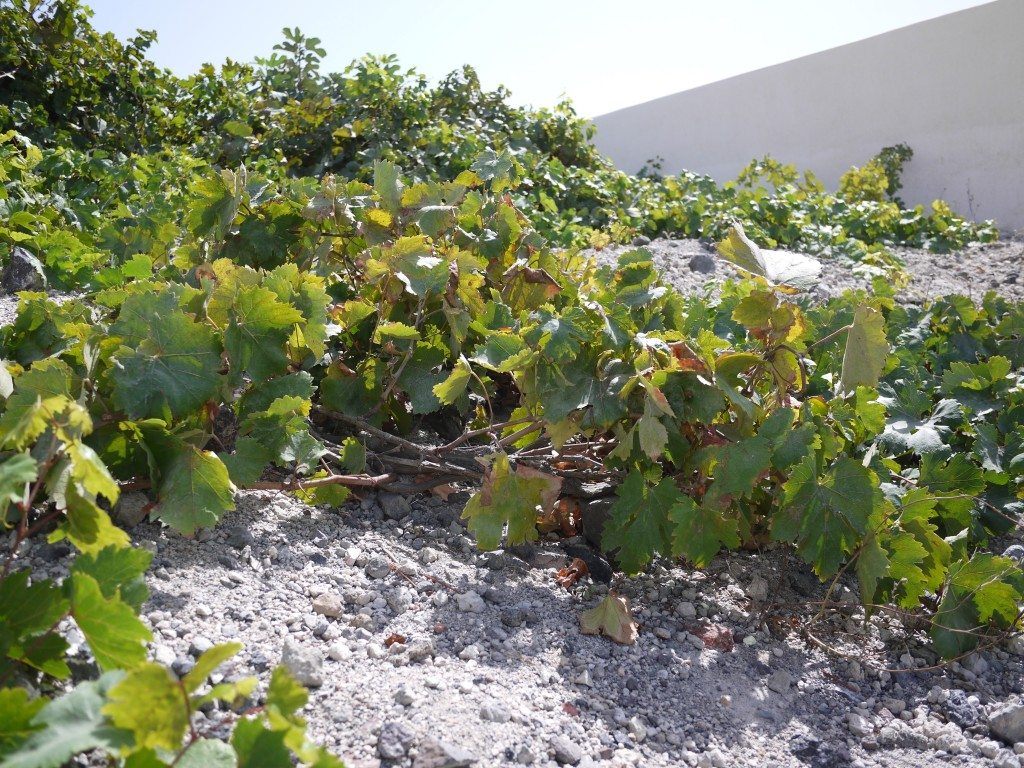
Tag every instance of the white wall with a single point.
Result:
(952, 88)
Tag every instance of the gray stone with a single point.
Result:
(780, 681)
(641, 240)
(757, 590)
(703, 263)
(1007, 723)
(304, 664)
(396, 507)
(328, 604)
(131, 509)
(470, 602)
(961, 709)
(394, 740)
(421, 649)
(525, 755)
(200, 645)
(1015, 552)
(434, 753)
(494, 712)
(239, 537)
(565, 751)
(23, 272)
(377, 567)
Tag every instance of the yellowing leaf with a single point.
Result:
(866, 350)
(149, 703)
(612, 618)
(509, 498)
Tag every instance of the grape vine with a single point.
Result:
(295, 325)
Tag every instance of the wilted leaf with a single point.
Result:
(612, 618)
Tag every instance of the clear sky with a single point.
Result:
(604, 54)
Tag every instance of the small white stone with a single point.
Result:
(470, 653)
(339, 652)
(470, 602)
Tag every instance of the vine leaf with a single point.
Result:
(780, 267)
(194, 489)
(70, 725)
(638, 524)
(612, 618)
(985, 589)
(149, 703)
(826, 516)
(699, 531)
(866, 350)
(15, 473)
(509, 498)
(17, 711)
(257, 332)
(116, 636)
(173, 371)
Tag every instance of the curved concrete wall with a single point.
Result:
(952, 88)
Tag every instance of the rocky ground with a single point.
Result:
(421, 651)
(692, 265)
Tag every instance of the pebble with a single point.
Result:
(377, 567)
(1007, 722)
(394, 740)
(329, 605)
(565, 751)
(780, 681)
(434, 753)
(304, 664)
(494, 712)
(470, 602)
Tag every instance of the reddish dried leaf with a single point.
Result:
(394, 638)
(541, 277)
(717, 637)
(687, 359)
(571, 709)
(572, 573)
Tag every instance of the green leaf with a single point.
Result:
(208, 753)
(700, 531)
(827, 516)
(209, 662)
(245, 466)
(194, 489)
(86, 525)
(259, 747)
(738, 467)
(173, 371)
(89, 470)
(955, 484)
(116, 636)
(638, 525)
(119, 572)
(71, 725)
(866, 350)
(17, 711)
(872, 566)
(979, 592)
(387, 182)
(509, 498)
(27, 614)
(258, 331)
(285, 694)
(149, 703)
(451, 389)
(47, 382)
(15, 475)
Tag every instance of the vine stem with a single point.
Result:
(831, 336)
